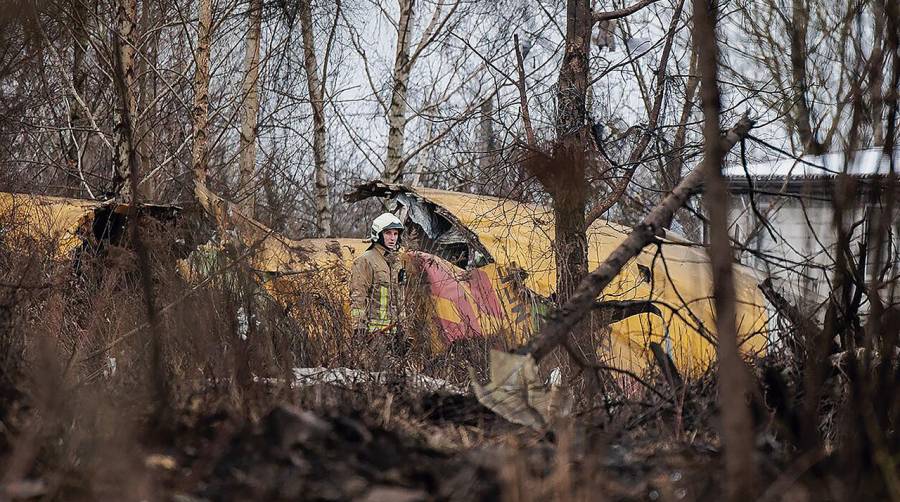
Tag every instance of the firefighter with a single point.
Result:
(376, 278)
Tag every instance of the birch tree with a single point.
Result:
(250, 94)
(404, 60)
(393, 169)
(200, 111)
(316, 87)
(125, 112)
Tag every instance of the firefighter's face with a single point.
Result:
(390, 237)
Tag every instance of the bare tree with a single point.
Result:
(800, 60)
(487, 137)
(77, 122)
(404, 59)
(393, 170)
(566, 181)
(737, 427)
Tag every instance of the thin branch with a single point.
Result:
(328, 46)
(644, 141)
(626, 11)
(523, 98)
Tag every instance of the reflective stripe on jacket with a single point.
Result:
(375, 294)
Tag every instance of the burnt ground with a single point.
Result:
(433, 447)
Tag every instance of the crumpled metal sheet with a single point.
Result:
(482, 302)
(65, 224)
(515, 392)
(28, 218)
(419, 214)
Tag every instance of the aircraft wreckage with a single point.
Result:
(486, 265)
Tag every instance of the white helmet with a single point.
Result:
(384, 222)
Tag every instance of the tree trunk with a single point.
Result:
(126, 13)
(799, 56)
(146, 130)
(77, 120)
(675, 170)
(876, 76)
(568, 183)
(675, 173)
(523, 95)
(247, 160)
(562, 320)
(569, 204)
(487, 144)
(316, 100)
(393, 169)
(737, 425)
(122, 65)
(573, 73)
(424, 160)
(200, 154)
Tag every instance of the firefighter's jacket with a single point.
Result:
(376, 292)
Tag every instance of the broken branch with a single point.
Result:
(562, 320)
(523, 98)
(623, 12)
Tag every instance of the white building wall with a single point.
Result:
(799, 253)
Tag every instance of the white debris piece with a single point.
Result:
(516, 394)
(349, 377)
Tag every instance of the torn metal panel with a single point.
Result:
(376, 188)
(420, 215)
(59, 221)
(437, 212)
(515, 393)
(68, 224)
(479, 303)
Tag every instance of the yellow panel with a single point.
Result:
(445, 309)
(44, 219)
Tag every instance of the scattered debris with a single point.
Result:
(515, 393)
(159, 461)
(350, 378)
